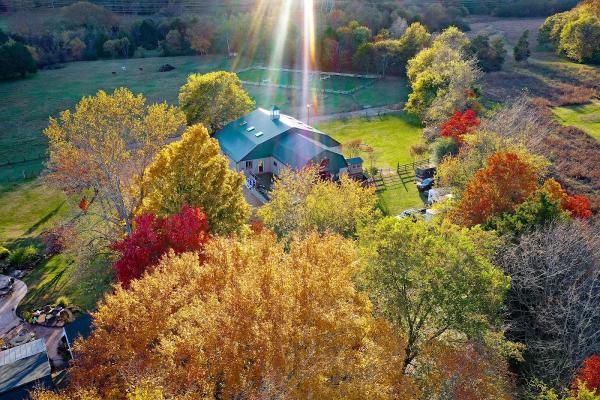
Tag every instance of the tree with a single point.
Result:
(500, 187)
(460, 124)
(579, 39)
(200, 35)
(105, 147)
(193, 171)
(554, 300)
(15, 60)
(539, 210)
(442, 79)
(214, 99)
(579, 206)
(589, 374)
(77, 48)
(430, 280)
(490, 55)
(302, 202)
(521, 50)
(250, 321)
(154, 236)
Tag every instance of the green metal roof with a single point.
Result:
(292, 142)
(23, 364)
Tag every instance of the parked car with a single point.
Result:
(424, 173)
(411, 212)
(425, 184)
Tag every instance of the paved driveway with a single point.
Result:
(8, 306)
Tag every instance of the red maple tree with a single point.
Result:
(579, 206)
(460, 124)
(589, 374)
(505, 183)
(154, 236)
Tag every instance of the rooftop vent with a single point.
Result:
(275, 113)
(259, 134)
(250, 129)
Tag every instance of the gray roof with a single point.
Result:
(289, 140)
(23, 364)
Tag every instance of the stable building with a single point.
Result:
(23, 368)
(264, 142)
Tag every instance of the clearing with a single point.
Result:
(391, 137)
(23, 146)
(585, 117)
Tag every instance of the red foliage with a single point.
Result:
(589, 374)
(579, 206)
(84, 204)
(460, 124)
(154, 236)
(505, 183)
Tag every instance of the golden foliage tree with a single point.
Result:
(214, 99)
(301, 202)
(105, 146)
(252, 321)
(192, 171)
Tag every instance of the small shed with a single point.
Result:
(23, 368)
(355, 167)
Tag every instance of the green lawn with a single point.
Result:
(391, 136)
(26, 210)
(334, 82)
(585, 117)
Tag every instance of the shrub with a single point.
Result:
(63, 301)
(4, 253)
(444, 147)
(23, 256)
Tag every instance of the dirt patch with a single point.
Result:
(510, 28)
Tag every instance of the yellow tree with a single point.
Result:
(214, 99)
(251, 321)
(192, 171)
(301, 202)
(105, 146)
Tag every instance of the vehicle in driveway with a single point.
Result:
(411, 212)
(425, 184)
(6, 286)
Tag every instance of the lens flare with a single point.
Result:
(308, 58)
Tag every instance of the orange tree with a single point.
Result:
(253, 320)
(503, 184)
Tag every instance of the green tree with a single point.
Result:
(431, 279)
(302, 202)
(580, 39)
(193, 171)
(442, 78)
(537, 211)
(16, 60)
(3, 37)
(521, 50)
(490, 54)
(214, 99)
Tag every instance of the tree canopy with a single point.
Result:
(302, 202)
(214, 99)
(250, 321)
(431, 280)
(193, 171)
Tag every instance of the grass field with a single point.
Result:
(585, 117)
(333, 82)
(391, 136)
(28, 103)
(26, 210)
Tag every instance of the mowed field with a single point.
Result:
(27, 103)
(391, 137)
(585, 117)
